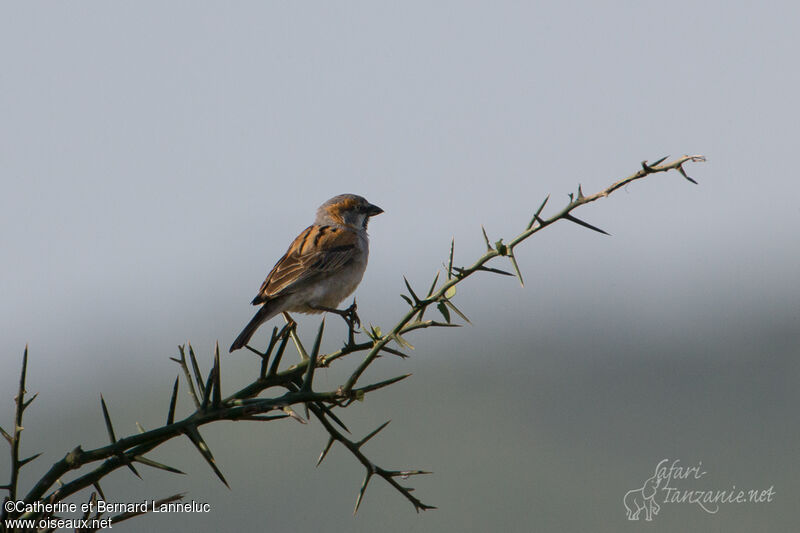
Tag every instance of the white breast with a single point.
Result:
(330, 291)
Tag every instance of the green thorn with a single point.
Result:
(202, 447)
(173, 402)
(107, 418)
(516, 268)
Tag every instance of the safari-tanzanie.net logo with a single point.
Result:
(672, 483)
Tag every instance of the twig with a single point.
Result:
(442, 296)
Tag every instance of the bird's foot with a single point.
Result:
(350, 317)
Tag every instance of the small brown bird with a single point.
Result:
(322, 267)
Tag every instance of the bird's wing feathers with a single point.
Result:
(317, 251)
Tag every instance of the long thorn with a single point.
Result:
(362, 491)
(217, 379)
(273, 340)
(450, 263)
(433, 285)
(27, 460)
(196, 369)
(457, 311)
(155, 464)
(107, 418)
(276, 361)
(538, 212)
(516, 268)
(185, 367)
(584, 224)
(413, 295)
(325, 451)
(683, 173)
(202, 447)
(207, 389)
(372, 434)
(173, 401)
(312, 360)
(486, 238)
(6, 436)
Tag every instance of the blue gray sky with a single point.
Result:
(157, 159)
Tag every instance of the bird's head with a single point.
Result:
(347, 210)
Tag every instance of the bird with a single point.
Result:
(322, 266)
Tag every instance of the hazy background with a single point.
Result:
(156, 159)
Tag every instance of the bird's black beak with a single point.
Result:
(373, 210)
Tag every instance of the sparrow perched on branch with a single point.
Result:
(322, 267)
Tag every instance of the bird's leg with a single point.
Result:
(353, 321)
(350, 317)
(290, 325)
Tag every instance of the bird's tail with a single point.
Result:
(267, 311)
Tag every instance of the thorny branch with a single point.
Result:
(296, 381)
(455, 275)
